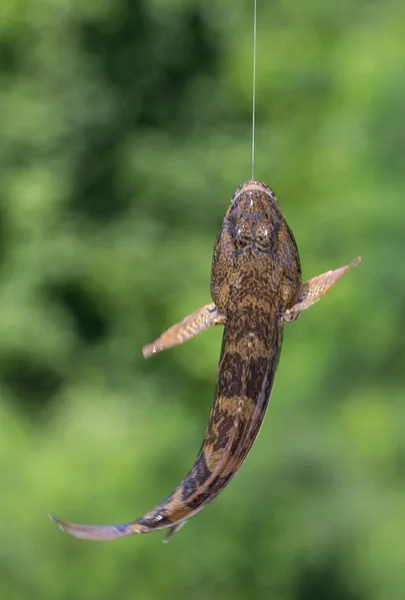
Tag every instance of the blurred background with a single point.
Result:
(125, 128)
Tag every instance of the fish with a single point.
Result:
(256, 286)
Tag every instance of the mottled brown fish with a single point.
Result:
(255, 286)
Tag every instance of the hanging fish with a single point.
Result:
(255, 286)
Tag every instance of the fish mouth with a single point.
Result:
(253, 186)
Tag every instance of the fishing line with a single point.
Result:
(254, 86)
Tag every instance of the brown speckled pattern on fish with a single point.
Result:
(255, 286)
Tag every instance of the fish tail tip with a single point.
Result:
(58, 522)
(97, 532)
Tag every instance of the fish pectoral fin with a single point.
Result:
(313, 290)
(173, 530)
(200, 320)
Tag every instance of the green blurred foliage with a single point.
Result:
(124, 129)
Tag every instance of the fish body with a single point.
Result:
(255, 286)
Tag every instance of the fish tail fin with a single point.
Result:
(101, 532)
